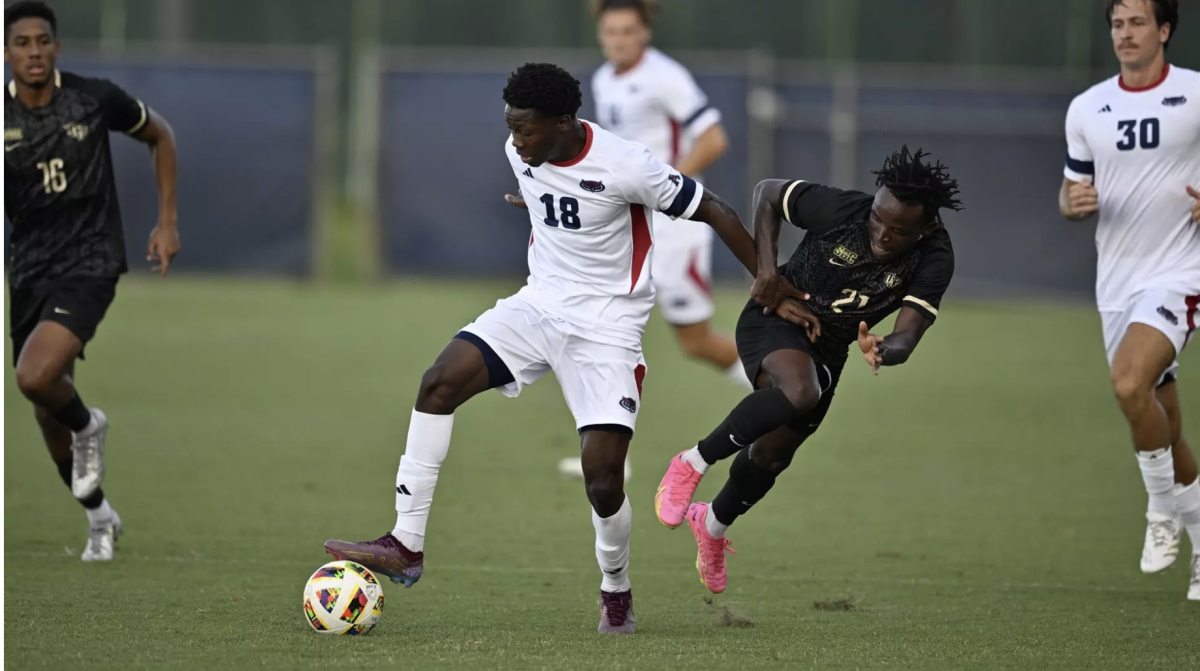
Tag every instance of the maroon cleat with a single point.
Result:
(384, 555)
(616, 613)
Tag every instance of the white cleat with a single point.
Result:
(1194, 590)
(1163, 535)
(101, 541)
(572, 467)
(88, 460)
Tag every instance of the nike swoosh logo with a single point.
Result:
(10, 147)
(61, 311)
(734, 441)
(839, 264)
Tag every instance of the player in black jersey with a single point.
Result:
(67, 245)
(863, 258)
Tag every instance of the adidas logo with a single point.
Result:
(1104, 109)
(403, 490)
(528, 173)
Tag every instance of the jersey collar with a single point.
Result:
(1162, 78)
(587, 146)
(12, 85)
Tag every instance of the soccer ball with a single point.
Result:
(343, 597)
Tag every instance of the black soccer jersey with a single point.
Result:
(835, 266)
(59, 191)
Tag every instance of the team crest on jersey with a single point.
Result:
(891, 280)
(845, 254)
(1175, 102)
(1168, 315)
(629, 404)
(77, 131)
(591, 186)
(674, 179)
(13, 135)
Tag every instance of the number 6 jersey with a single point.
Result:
(1141, 149)
(59, 191)
(589, 253)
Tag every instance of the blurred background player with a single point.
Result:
(1133, 154)
(641, 94)
(68, 248)
(581, 314)
(864, 257)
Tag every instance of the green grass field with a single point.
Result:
(976, 508)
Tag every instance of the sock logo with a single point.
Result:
(629, 404)
(403, 490)
(615, 572)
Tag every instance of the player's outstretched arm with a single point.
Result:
(164, 239)
(1077, 200)
(895, 348)
(725, 221)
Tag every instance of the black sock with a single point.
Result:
(757, 415)
(747, 484)
(74, 415)
(92, 502)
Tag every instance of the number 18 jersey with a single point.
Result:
(589, 252)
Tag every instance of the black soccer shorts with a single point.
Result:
(759, 335)
(78, 303)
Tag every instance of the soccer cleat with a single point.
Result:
(710, 554)
(1194, 590)
(1163, 535)
(384, 555)
(675, 491)
(616, 613)
(87, 471)
(101, 541)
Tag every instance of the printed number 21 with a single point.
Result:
(568, 207)
(851, 296)
(1146, 133)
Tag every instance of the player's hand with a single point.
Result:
(1083, 198)
(771, 290)
(869, 344)
(798, 313)
(1196, 205)
(164, 245)
(516, 201)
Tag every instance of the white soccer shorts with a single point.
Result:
(682, 269)
(601, 382)
(1171, 311)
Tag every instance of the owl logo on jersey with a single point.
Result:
(591, 186)
(77, 131)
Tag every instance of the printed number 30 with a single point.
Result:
(1146, 134)
(852, 295)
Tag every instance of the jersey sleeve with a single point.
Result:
(931, 281)
(814, 207)
(123, 112)
(658, 186)
(685, 103)
(1079, 163)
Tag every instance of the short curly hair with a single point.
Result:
(647, 10)
(30, 9)
(545, 88)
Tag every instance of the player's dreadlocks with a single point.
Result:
(548, 89)
(646, 9)
(915, 182)
(30, 9)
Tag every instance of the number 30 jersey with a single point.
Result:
(1141, 149)
(591, 245)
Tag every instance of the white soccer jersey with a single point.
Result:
(589, 253)
(656, 103)
(1141, 148)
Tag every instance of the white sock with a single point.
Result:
(612, 547)
(90, 428)
(1158, 472)
(696, 461)
(1187, 503)
(715, 528)
(737, 373)
(428, 444)
(100, 516)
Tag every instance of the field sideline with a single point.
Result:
(976, 508)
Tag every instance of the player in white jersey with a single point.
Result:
(643, 95)
(1133, 155)
(581, 314)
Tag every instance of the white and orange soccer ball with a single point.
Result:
(343, 597)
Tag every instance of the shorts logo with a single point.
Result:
(891, 281)
(1168, 315)
(1175, 102)
(629, 404)
(77, 131)
(590, 186)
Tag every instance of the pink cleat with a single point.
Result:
(675, 491)
(710, 557)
